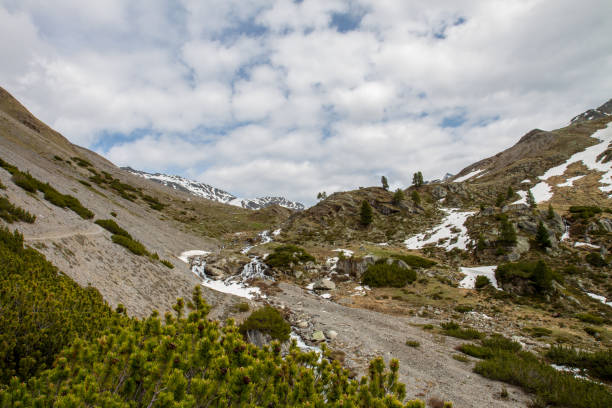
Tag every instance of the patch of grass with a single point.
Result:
(454, 330)
(381, 274)
(10, 212)
(475, 351)
(413, 343)
(285, 255)
(83, 182)
(590, 318)
(81, 162)
(539, 331)
(428, 327)
(168, 264)
(584, 211)
(153, 202)
(267, 320)
(132, 245)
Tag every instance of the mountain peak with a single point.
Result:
(215, 194)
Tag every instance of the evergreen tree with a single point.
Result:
(366, 213)
(398, 196)
(322, 195)
(507, 233)
(417, 179)
(509, 193)
(384, 182)
(551, 212)
(542, 237)
(416, 198)
(542, 277)
(531, 200)
(500, 200)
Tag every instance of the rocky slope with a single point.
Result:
(212, 193)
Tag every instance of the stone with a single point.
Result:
(317, 335)
(331, 334)
(324, 284)
(528, 226)
(302, 324)
(606, 224)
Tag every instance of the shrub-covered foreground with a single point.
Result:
(504, 361)
(62, 346)
(10, 212)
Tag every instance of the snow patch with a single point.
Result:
(526, 181)
(346, 252)
(523, 199)
(471, 273)
(450, 229)
(467, 176)
(233, 288)
(570, 181)
(326, 295)
(600, 298)
(541, 192)
(586, 245)
(184, 256)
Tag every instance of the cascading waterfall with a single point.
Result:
(254, 270)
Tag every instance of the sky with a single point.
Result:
(273, 97)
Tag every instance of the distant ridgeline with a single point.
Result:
(63, 346)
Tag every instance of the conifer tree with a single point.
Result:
(542, 237)
(417, 179)
(551, 212)
(500, 200)
(384, 182)
(366, 213)
(398, 196)
(416, 198)
(507, 233)
(509, 193)
(322, 195)
(531, 200)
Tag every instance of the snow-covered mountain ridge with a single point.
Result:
(212, 193)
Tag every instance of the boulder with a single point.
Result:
(331, 334)
(317, 335)
(606, 224)
(324, 285)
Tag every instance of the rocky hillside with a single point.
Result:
(209, 192)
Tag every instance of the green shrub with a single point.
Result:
(585, 211)
(463, 308)
(112, 227)
(598, 364)
(590, 318)
(413, 343)
(415, 261)
(285, 255)
(242, 307)
(540, 331)
(454, 330)
(382, 274)
(481, 282)
(460, 357)
(153, 202)
(507, 233)
(267, 320)
(133, 246)
(25, 181)
(498, 342)
(551, 387)
(537, 274)
(167, 263)
(113, 214)
(595, 259)
(476, 351)
(83, 182)
(10, 212)
(81, 162)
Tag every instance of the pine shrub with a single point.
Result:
(113, 228)
(382, 274)
(11, 213)
(267, 320)
(132, 245)
(285, 255)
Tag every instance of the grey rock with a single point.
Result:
(324, 284)
(528, 226)
(317, 335)
(302, 324)
(331, 334)
(606, 224)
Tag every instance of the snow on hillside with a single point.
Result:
(467, 176)
(471, 273)
(451, 233)
(592, 157)
(212, 193)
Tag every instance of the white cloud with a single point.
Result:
(265, 97)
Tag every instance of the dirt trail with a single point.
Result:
(428, 371)
(95, 230)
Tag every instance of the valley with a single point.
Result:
(510, 257)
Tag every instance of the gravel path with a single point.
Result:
(94, 230)
(428, 371)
